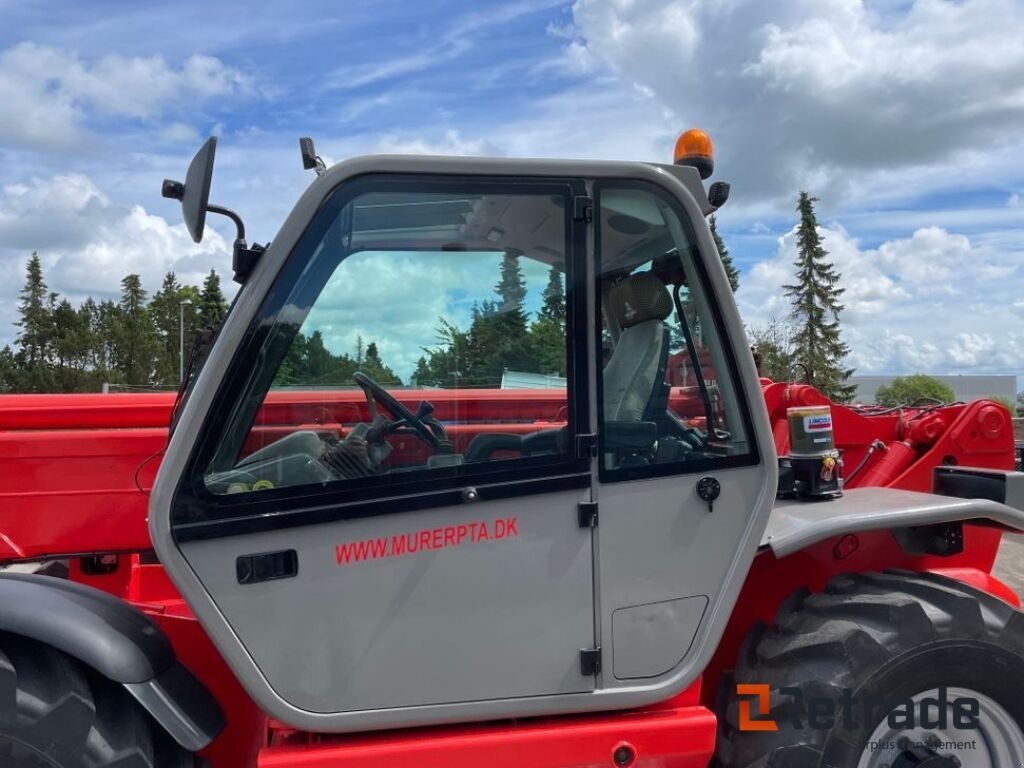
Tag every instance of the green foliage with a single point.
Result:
(723, 251)
(134, 339)
(175, 314)
(309, 363)
(908, 390)
(63, 348)
(33, 343)
(772, 344)
(815, 299)
(213, 307)
(8, 371)
(500, 337)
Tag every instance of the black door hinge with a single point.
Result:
(588, 514)
(583, 209)
(590, 661)
(586, 446)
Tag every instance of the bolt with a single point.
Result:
(623, 755)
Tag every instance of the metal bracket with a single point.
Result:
(586, 445)
(583, 209)
(590, 661)
(587, 514)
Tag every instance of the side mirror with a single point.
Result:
(194, 194)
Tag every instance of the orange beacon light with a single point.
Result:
(693, 147)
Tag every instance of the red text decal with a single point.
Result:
(426, 540)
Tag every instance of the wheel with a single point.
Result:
(55, 713)
(881, 670)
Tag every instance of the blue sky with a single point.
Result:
(904, 118)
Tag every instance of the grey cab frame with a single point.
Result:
(185, 521)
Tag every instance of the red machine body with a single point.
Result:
(76, 470)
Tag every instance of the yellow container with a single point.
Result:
(810, 430)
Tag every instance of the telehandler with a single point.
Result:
(636, 563)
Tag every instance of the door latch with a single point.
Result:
(709, 489)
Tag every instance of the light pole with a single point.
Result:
(181, 337)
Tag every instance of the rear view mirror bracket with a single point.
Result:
(194, 195)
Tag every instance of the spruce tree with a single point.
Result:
(553, 307)
(35, 321)
(105, 330)
(135, 346)
(511, 287)
(815, 299)
(547, 334)
(375, 367)
(213, 307)
(167, 312)
(723, 252)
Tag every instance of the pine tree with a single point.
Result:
(815, 299)
(554, 298)
(35, 321)
(723, 251)
(168, 312)
(547, 333)
(375, 368)
(105, 330)
(135, 341)
(71, 343)
(511, 287)
(213, 307)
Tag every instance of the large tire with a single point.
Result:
(55, 713)
(891, 636)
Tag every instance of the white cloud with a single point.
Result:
(47, 95)
(829, 94)
(87, 243)
(1016, 200)
(930, 302)
(451, 142)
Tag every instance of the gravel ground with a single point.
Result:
(1010, 563)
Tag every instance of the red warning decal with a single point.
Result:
(427, 540)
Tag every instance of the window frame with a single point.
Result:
(691, 465)
(198, 514)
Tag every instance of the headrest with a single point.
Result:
(639, 298)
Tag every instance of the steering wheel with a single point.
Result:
(375, 393)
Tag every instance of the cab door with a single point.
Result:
(375, 514)
(686, 471)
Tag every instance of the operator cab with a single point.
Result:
(429, 383)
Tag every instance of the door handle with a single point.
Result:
(267, 566)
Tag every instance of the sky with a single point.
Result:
(903, 117)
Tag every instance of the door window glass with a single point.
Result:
(668, 398)
(425, 334)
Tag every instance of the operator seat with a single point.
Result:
(634, 378)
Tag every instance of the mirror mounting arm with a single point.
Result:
(239, 224)
(243, 258)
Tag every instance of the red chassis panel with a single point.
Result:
(73, 464)
(678, 734)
